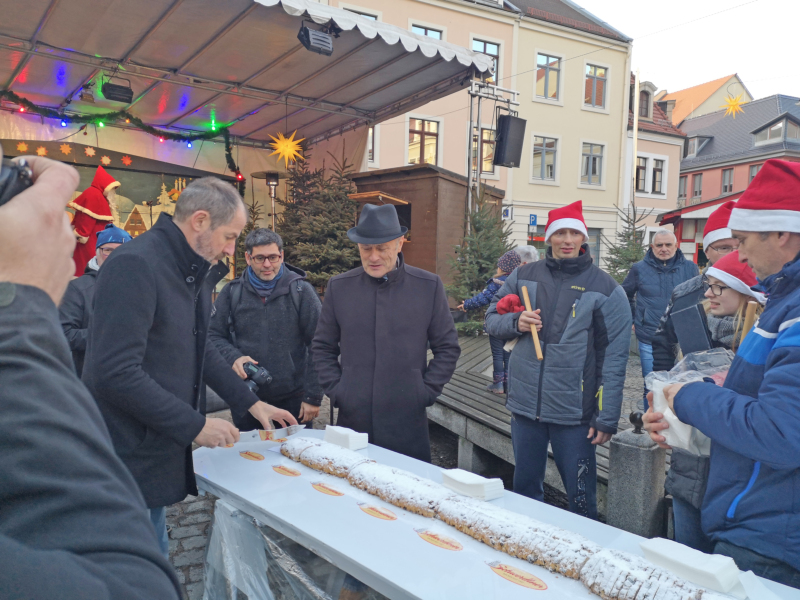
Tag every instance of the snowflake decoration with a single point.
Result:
(733, 105)
(41, 151)
(89, 151)
(22, 147)
(105, 160)
(66, 148)
(126, 160)
(287, 148)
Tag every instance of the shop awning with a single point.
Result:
(202, 64)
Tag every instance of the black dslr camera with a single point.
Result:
(256, 376)
(15, 177)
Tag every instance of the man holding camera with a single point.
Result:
(263, 324)
(148, 358)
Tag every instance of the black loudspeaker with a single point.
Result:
(510, 135)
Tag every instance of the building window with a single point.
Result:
(727, 181)
(423, 141)
(691, 147)
(682, 188)
(427, 32)
(490, 49)
(548, 71)
(697, 186)
(792, 131)
(592, 164)
(486, 152)
(365, 15)
(658, 177)
(595, 86)
(644, 104)
(641, 174)
(371, 144)
(544, 158)
(754, 169)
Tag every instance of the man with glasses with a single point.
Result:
(75, 309)
(717, 242)
(268, 317)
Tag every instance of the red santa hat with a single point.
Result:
(566, 217)
(772, 200)
(717, 225)
(103, 181)
(736, 275)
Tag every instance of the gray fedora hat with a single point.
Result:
(377, 225)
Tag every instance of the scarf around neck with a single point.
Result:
(263, 288)
(721, 330)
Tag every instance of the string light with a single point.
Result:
(63, 123)
(188, 144)
(239, 176)
(161, 139)
(21, 109)
(101, 124)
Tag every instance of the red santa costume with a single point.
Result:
(92, 213)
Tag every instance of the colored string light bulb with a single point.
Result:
(21, 109)
(101, 124)
(63, 123)
(161, 139)
(188, 144)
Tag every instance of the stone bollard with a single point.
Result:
(636, 473)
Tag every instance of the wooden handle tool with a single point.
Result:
(527, 300)
(749, 319)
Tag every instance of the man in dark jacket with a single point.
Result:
(380, 318)
(148, 357)
(571, 399)
(76, 308)
(268, 316)
(751, 509)
(73, 524)
(649, 285)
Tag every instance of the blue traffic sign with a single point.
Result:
(533, 220)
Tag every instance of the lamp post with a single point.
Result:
(271, 178)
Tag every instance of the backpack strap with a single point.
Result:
(236, 297)
(294, 292)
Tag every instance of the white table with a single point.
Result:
(389, 555)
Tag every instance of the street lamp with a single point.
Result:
(271, 178)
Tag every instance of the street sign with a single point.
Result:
(508, 213)
(533, 221)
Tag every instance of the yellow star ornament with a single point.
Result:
(733, 106)
(287, 148)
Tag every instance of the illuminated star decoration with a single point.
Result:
(41, 151)
(105, 160)
(287, 148)
(126, 160)
(22, 147)
(66, 149)
(733, 105)
(89, 151)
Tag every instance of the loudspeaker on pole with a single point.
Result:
(508, 145)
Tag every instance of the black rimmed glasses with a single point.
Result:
(272, 258)
(715, 288)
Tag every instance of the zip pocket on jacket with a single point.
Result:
(732, 508)
(574, 304)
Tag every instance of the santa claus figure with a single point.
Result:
(93, 211)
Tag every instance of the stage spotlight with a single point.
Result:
(316, 41)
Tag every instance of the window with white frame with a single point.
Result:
(644, 104)
(544, 158)
(697, 185)
(371, 144)
(792, 131)
(641, 174)
(423, 141)
(595, 86)
(776, 132)
(658, 177)
(754, 169)
(490, 49)
(548, 72)
(727, 181)
(483, 152)
(427, 31)
(592, 164)
(682, 187)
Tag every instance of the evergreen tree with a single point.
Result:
(476, 258)
(628, 247)
(254, 214)
(304, 184)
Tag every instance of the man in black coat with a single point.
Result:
(380, 319)
(268, 316)
(75, 309)
(73, 524)
(148, 357)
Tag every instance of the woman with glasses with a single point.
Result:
(727, 287)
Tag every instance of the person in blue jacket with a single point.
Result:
(751, 509)
(505, 265)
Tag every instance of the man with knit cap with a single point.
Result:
(685, 307)
(76, 307)
(572, 398)
(751, 511)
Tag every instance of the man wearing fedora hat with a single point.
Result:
(378, 320)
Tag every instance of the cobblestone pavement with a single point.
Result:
(190, 520)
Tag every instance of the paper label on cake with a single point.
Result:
(326, 489)
(284, 470)
(229, 445)
(377, 512)
(269, 436)
(249, 455)
(437, 539)
(517, 576)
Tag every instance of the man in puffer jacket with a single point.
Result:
(571, 399)
(649, 286)
(751, 509)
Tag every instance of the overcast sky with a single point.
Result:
(759, 40)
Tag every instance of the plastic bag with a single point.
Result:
(709, 365)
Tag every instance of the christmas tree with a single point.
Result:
(628, 247)
(476, 258)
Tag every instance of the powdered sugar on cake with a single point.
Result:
(400, 488)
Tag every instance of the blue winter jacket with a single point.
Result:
(753, 494)
(484, 298)
(649, 286)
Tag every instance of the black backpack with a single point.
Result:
(236, 297)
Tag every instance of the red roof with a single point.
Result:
(659, 124)
(674, 216)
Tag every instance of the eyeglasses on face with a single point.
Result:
(106, 251)
(715, 288)
(723, 249)
(272, 258)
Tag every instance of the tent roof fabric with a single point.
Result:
(194, 64)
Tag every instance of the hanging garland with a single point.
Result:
(101, 119)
